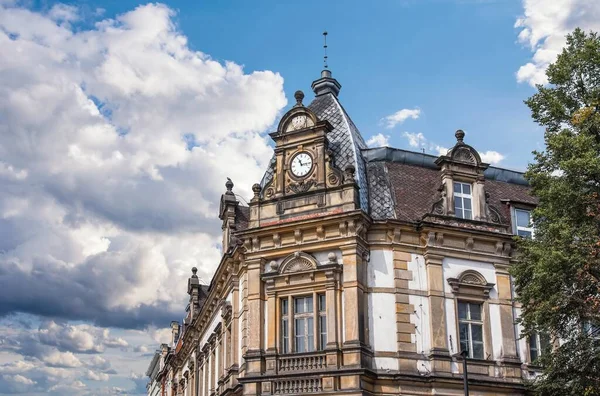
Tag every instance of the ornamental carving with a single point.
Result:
(300, 187)
(298, 262)
(471, 282)
(463, 154)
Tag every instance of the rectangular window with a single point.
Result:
(304, 328)
(322, 322)
(285, 327)
(470, 325)
(463, 200)
(524, 227)
(304, 324)
(538, 343)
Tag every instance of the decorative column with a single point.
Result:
(354, 323)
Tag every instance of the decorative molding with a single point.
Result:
(471, 282)
(298, 262)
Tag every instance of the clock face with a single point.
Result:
(301, 164)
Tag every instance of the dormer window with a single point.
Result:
(463, 200)
(524, 227)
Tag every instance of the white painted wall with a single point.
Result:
(380, 269)
(496, 328)
(452, 331)
(417, 266)
(385, 363)
(382, 322)
(420, 318)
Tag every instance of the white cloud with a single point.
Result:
(96, 376)
(491, 157)
(543, 27)
(378, 140)
(400, 116)
(95, 160)
(418, 140)
(415, 139)
(61, 359)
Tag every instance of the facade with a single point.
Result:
(358, 271)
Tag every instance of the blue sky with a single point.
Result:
(454, 60)
(120, 122)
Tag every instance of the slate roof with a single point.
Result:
(345, 141)
(408, 181)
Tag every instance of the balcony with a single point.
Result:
(297, 386)
(301, 362)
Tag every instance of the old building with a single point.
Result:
(357, 270)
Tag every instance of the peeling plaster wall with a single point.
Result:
(380, 270)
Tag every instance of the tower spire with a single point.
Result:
(326, 84)
(325, 49)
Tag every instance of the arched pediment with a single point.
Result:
(471, 283)
(298, 262)
(465, 153)
(472, 277)
(297, 118)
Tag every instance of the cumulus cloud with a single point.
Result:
(543, 27)
(61, 359)
(115, 144)
(415, 139)
(418, 140)
(379, 140)
(491, 157)
(400, 116)
(91, 375)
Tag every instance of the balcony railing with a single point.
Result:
(296, 363)
(295, 386)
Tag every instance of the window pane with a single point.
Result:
(477, 333)
(477, 350)
(322, 332)
(467, 203)
(466, 188)
(309, 304)
(533, 341)
(462, 310)
(299, 305)
(457, 188)
(523, 219)
(310, 331)
(284, 306)
(475, 311)
(464, 346)
(458, 203)
(468, 214)
(322, 302)
(299, 327)
(463, 329)
(524, 234)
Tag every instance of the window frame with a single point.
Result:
(470, 323)
(517, 227)
(461, 196)
(312, 317)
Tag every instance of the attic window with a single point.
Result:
(463, 199)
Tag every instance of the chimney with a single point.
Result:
(174, 333)
(227, 211)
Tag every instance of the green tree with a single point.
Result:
(557, 277)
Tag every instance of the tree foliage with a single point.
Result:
(557, 277)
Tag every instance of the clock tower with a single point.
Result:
(304, 178)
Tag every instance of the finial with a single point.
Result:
(460, 135)
(194, 271)
(299, 95)
(325, 49)
(229, 186)
(256, 189)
